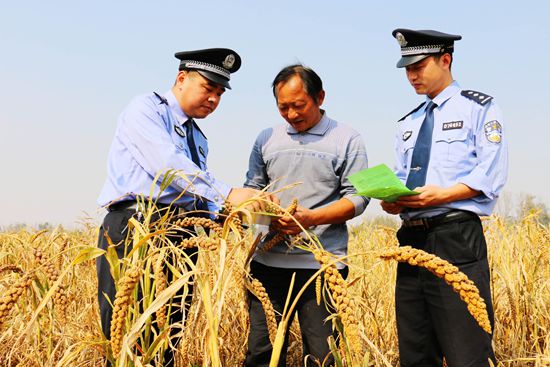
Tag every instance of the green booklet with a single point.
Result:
(379, 182)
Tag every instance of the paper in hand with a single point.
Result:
(379, 182)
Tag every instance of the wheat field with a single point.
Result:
(49, 312)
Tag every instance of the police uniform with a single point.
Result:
(154, 135)
(469, 146)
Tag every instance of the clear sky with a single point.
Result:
(68, 68)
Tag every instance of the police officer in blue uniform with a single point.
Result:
(156, 133)
(452, 149)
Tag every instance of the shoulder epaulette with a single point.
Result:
(162, 99)
(478, 97)
(413, 111)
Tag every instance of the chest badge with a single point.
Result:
(493, 131)
(407, 135)
(179, 131)
(452, 125)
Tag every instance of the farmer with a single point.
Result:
(452, 149)
(320, 153)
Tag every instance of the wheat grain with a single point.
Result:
(59, 297)
(9, 299)
(202, 222)
(204, 242)
(12, 268)
(160, 285)
(343, 303)
(318, 287)
(279, 237)
(123, 299)
(260, 292)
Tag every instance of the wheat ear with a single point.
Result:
(460, 283)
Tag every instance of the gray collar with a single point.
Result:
(318, 129)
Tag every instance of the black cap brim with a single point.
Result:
(213, 77)
(409, 60)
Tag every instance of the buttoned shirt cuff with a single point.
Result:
(476, 183)
(359, 202)
(206, 187)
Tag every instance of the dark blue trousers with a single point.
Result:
(432, 321)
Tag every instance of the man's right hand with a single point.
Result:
(239, 195)
(391, 208)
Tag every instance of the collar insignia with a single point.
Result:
(179, 131)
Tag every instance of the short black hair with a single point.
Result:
(312, 81)
(438, 56)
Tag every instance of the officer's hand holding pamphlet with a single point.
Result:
(379, 182)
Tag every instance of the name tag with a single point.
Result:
(453, 125)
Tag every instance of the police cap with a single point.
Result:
(215, 64)
(417, 45)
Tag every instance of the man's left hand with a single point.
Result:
(430, 195)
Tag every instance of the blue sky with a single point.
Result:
(68, 68)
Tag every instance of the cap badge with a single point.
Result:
(401, 39)
(229, 61)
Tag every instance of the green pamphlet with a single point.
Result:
(379, 182)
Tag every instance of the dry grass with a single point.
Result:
(33, 333)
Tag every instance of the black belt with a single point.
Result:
(427, 223)
(133, 205)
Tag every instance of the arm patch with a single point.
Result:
(478, 97)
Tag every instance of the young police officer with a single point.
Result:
(453, 151)
(156, 133)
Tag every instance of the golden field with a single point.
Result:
(49, 313)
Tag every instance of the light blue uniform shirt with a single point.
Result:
(320, 159)
(469, 146)
(150, 139)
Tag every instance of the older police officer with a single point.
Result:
(453, 151)
(156, 133)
